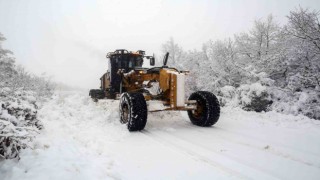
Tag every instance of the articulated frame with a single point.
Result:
(171, 84)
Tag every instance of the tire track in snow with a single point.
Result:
(276, 148)
(266, 147)
(273, 143)
(212, 158)
(260, 162)
(243, 140)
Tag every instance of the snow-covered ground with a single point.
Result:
(85, 140)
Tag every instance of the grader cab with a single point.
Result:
(127, 80)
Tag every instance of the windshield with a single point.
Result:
(135, 61)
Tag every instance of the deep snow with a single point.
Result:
(85, 140)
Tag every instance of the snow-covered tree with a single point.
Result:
(194, 62)
(7, 66)
(223, 63)
(303, 32)
(175, 53)
(263, 46)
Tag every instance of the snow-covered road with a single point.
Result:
(85, 140)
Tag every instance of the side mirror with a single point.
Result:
(152, 61)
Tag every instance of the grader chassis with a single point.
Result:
(133, 84)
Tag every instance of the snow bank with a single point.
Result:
(76, 142)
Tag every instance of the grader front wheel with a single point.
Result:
(133, 111)
(208, 109)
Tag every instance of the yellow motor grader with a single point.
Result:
(126, 79)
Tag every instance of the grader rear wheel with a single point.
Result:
(133, 111)
(96, 94)
(207, 112)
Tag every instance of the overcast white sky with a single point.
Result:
(69, 39)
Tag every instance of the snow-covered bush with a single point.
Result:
(306, 102)
(226, 96)
(254, 97)
(228, 91)
(258, 97)
(251, 97)
(18, 123)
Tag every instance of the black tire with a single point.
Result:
(96, 94)
(133, 111)
(208, 109)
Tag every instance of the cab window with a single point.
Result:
(139, 61)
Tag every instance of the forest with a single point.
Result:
(269, 68)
